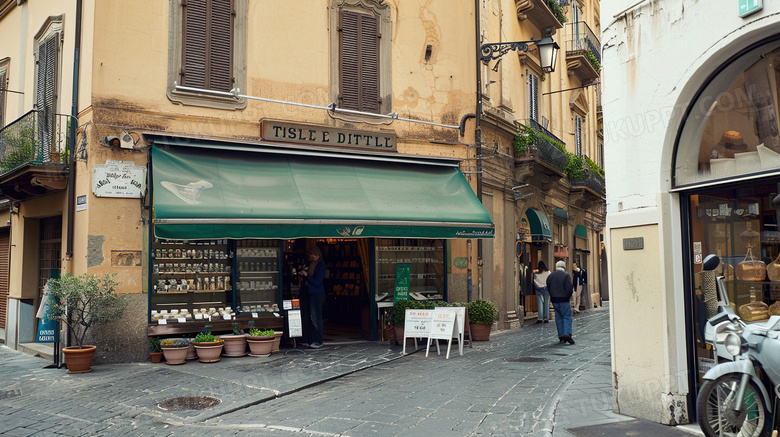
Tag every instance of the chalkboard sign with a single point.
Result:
(417, 324)
(294, 323)
(403, 274)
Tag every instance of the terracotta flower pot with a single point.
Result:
(175, 355)
(260, 347)
(479, 331)
(79, 359)
(277, 341)
(399, 336)
(156, 356)
(191, 354)
(235, 345)
(209, 352)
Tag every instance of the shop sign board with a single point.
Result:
(308, 134)
(446, 326)
(294, 323)
(403, 274)
(748, 7)
(119, 179)
(48, 331)
(636, 243)
(417, 324)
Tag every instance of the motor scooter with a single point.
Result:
(734, 400)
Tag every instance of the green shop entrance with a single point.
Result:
(231, 223)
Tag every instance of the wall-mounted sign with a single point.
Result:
(81, 203)
(749, 7)
(298, 133)
(118, 179)
(636, 243)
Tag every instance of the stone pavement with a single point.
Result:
(520, 382)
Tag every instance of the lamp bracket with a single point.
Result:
(496, 50)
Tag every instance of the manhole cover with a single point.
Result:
(182, 403)
(525, 359)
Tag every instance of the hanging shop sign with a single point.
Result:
(119, 179)
(298, 133)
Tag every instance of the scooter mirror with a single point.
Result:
(711, 262)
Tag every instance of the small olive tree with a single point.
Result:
(84, 301)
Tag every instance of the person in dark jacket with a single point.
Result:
(315, 276)
(560, 288)
(580, 282)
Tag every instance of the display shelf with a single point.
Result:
(263, 321)
(426, 258)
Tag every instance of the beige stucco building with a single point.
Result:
(157, 97)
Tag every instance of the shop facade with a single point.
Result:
(710, 187)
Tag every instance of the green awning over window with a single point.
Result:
(561, 213)
(223, 190)
(581, 231)
(539, 224)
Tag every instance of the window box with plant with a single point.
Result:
(82, 302)
(482, 315)
(208, 347)
(175, 350)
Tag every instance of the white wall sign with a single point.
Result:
(81, 203)
(119, 179)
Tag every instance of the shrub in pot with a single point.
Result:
(482, 314)
(261, 342)
(82, 302)
(208, 347)
(175, 350)
(155, 352)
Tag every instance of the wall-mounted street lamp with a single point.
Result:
(548, 50)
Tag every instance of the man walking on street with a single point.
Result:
(560, 287)
(580, 282)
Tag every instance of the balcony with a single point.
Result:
(542, 162)
(587, 190)
(539, 14)
(33, 156)
(583, 52)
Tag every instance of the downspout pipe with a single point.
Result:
(74, 112)
(478, 134)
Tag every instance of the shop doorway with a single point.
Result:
(5, 252)
(346, 308)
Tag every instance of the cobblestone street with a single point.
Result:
(514, 384)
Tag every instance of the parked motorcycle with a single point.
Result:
(734, 401)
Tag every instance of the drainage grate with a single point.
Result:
(10, 394)
(183, 403)
(525, 359)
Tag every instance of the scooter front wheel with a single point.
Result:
(715, 407)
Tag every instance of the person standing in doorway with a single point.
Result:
(315, 276)
(580, 282)
(542, 294)
(560, 286)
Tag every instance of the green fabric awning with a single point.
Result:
(540, 225)
(223, 190)
(581, 231)
(561, 213)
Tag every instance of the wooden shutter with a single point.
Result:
(207, 52)
(578, 135)
(533, 96)
(5, 261)
(3, 86)
(359, 61)
(46, 91)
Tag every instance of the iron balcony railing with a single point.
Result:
(590, 180)
(34, 138)
(545, 150)
(581, 38)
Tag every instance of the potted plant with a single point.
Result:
(482, 314)
(277, 341)
(261, 342)
(82, 302)
(175, 350)
(156, 353)
(235, 343)
(208, 347)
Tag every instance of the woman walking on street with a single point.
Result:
(542, 294)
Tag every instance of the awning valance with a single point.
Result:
(561, 213)
(203, 192)
(581, 231)
(539, 224)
